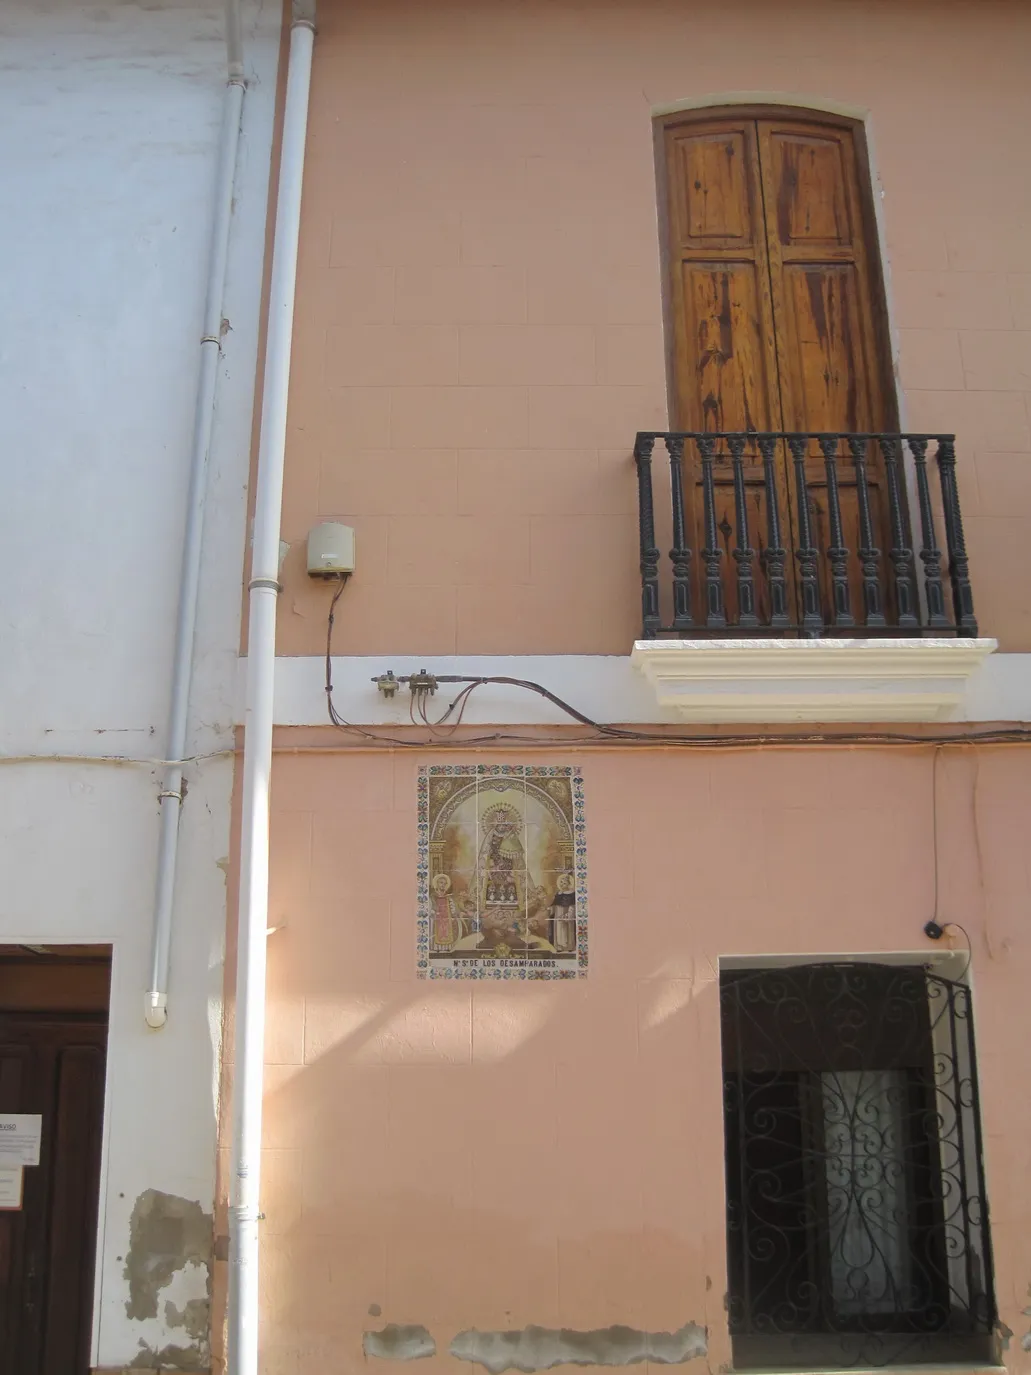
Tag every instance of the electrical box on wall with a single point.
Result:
(330, 551)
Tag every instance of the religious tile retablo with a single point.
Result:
(502, 872)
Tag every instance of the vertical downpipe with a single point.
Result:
(170, 798)
(258, 720)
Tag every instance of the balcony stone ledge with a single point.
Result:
(759, 681)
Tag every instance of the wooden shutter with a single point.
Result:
(820, 278)
(828, 312)
(723, 317)
(725, 359)
(777, 310)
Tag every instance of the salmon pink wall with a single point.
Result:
(479, 325)
(460, 1155)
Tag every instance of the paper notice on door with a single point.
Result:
(11, 1177)
(20, 1136)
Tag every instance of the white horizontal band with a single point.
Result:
(606, 688)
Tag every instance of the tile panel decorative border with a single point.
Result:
(502, 872)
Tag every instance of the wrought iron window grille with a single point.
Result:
(776, 533)
(857, 1223)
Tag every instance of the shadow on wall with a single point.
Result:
(487, 1175)
(455, 1155)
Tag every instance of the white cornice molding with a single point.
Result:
(758, 681)
(610, 688)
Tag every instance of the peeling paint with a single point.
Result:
(541, 1348)
(170, 1358)
(194, 1316)
(169, 1258)
(399, 1342)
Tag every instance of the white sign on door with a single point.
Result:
(20, 1136)
(11, 1177)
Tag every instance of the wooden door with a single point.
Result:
(52, 1064)
(777, 316)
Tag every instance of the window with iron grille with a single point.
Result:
(857, 1227)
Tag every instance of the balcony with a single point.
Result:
(795, 588)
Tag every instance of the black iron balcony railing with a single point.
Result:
(804, 534)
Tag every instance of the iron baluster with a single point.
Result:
(651, 621)
(806, 554)
(959, 569)
(930, 554)
(744, 554)
(901, 554)
(774, 555)
(680, 554)
(802, 598)
(712, 553)
(869, 555)
(837, 554)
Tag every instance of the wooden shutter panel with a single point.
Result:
(723, 320)
(820, 278)
(724, 349)
(827, 309)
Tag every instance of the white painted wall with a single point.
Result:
(605, 687)
(109, 117)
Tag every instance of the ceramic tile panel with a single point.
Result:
(502, 872)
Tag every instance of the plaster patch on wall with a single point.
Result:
(541, 1348)
(169, 1259)
(399, 1342)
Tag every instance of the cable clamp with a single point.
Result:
(422, 682)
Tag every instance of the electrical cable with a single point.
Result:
(377, 737)
(619, 734)
(662, 735)
(943, 926)
(117, 759)
(970, 949)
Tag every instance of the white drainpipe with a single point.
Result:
(171, 794)
(252, 926)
